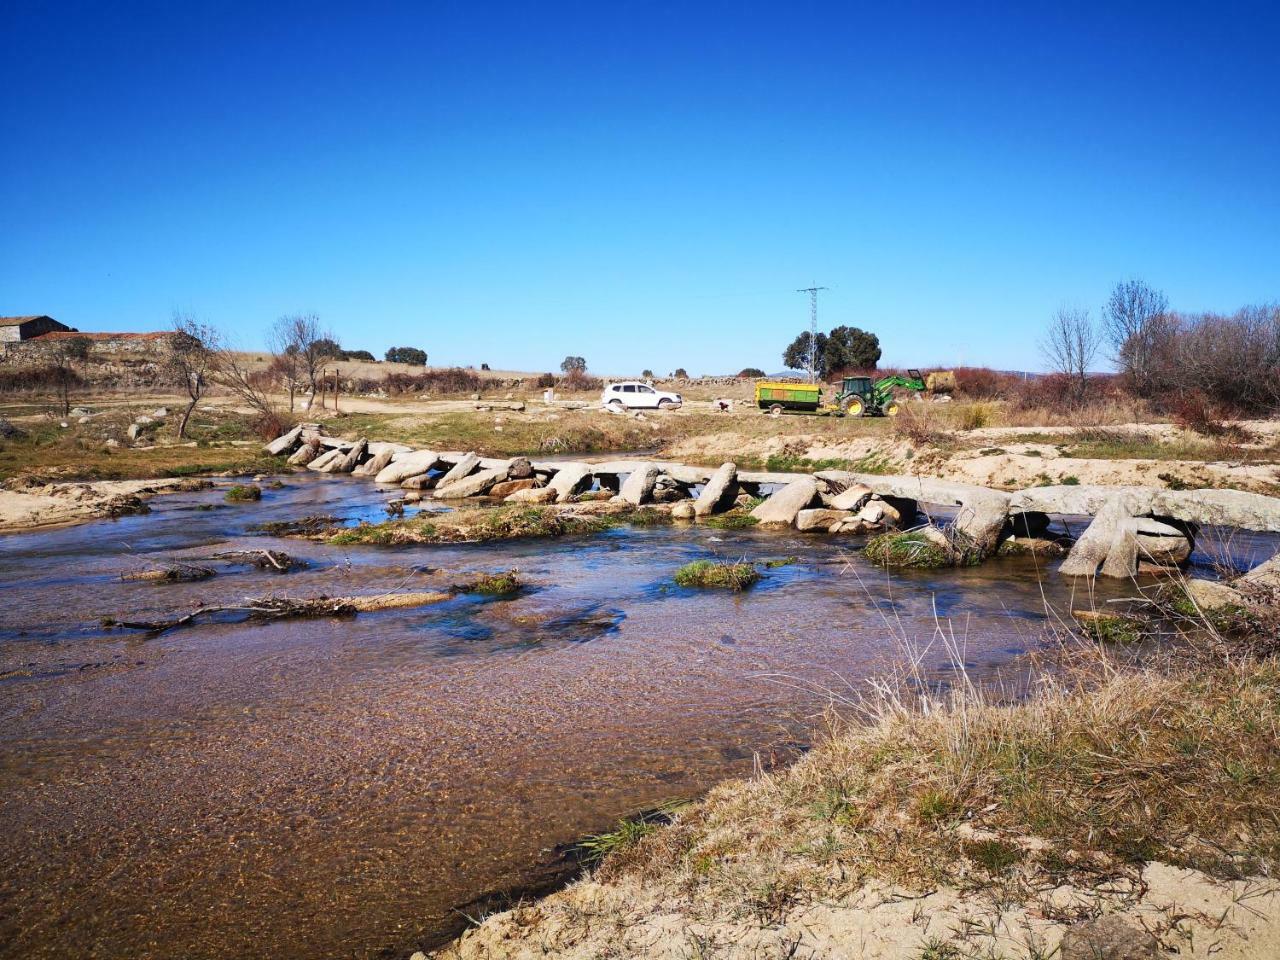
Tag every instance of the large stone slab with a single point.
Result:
(639, 484)
(401, 468)
(464, 465)
(352, 459)
(375, 464)
(780, 509)
(471, 486)
(321, 463)
(285, 442)
(720, 491)
(821, 518)
(569, 479)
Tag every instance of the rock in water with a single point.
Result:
(780, 509)
(821, 518)
(466, 463)
(684, 510)
(569, 479)
(474, 485)
(408, 465)
(521, 468)
(284, 443)
(639, 484)
(720, 491)
(375, 465)
(851, 498)
(508, 487)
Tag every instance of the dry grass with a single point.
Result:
(1139, 766)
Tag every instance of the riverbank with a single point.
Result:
(1117, 812)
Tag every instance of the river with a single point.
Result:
(347, 787)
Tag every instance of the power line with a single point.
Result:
(813, 330)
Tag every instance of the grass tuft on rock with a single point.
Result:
(732, 520)
(912, 548)
(495, 584)
(713, 573)
(244, 493)
(473, 526)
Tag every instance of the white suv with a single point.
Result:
(634, 395)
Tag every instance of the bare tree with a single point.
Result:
(66, 351)
(190, 361)
(1134, 321)
(286, 364)
(1071, 344)
(302, 336)
(250, 388)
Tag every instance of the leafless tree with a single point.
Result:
(286, 363)
(301, 336)
(1134, 321)
(192, 353)
(1071, 344)
(250, 388)
(65, 353)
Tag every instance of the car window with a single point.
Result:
(629, 388)
(646, 389)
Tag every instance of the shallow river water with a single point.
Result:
(348, 787)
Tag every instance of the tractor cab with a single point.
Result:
(856, 397)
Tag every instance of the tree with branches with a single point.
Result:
(1071, 344)
(190, 361)
(1134, 322)
(573, 365)
(301, 336)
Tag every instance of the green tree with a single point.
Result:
(573, 365)
(407, 355)
(844, 348)
(749, 373)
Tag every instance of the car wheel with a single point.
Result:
(665, 404)
(616, 405)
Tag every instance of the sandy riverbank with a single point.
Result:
(58, 504)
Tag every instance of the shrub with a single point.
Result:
(359, 355)
(545, 380)
(244, 493)
(681, 373)
(749, 373)
(910, 549)
(450, 380)
(919, 426)
(410, 355)
(578, 381)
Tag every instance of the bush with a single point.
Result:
(449, 380)
(577, 381)
(545, 380)
(750, 373)
(38, 379)
(411, 355)
(983, 383)
(359, 355)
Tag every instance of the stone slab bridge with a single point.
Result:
(1127, 526)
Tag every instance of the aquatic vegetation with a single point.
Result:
(912, 548)
(494, 584)
(304, 526)
(648, 517)
(628, 833)
(732, 520)
(713, 573)
(473, 526)
(774, 562)
(244, 493)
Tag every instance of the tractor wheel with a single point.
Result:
(852, 407)
(775, 410)
(891, 408)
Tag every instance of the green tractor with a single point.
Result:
(859, 397)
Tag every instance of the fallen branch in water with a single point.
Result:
(173, 573)
(276, 560)
(269, 609)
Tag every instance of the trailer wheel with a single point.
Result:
(775, 410)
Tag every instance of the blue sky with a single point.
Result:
(642, 184)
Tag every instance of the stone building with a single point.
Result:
(18, 329)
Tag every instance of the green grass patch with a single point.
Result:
(732, 520)
(495, 584)
(648, 517)
(774, 562)
(473, 525)
(911, 548)
(717, 574)
(244, 493)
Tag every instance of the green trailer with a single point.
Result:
(776, 397)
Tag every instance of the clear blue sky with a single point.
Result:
(642, 184)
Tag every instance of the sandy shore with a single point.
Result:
(57, 504)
